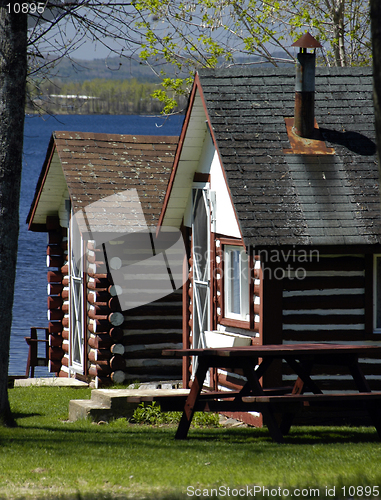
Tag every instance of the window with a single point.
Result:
(236, 283)
(377, 294)
(76, 338)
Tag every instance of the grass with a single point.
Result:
(48, 457)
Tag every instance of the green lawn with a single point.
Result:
(46, 456)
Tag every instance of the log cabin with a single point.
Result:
(275, 186)
(113, 184)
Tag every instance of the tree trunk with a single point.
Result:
(13, 67)
(375, 15)
(338, 8)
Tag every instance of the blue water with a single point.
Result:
(30, 301)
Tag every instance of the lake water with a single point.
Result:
(30, 301)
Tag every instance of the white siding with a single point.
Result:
(53, 193)
(226, 221)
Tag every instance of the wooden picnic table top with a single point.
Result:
(278, 350)
(252, 396)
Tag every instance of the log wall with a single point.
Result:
(223, 379)
(58, 295)
(233, 379)
(324, 299)
(332, 303)
(125, 346)
(120, 347)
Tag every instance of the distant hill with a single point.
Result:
(102, 86)
(114, 68)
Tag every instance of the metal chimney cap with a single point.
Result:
(307, 41)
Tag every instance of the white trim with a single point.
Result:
(323, 312)
(325, 291)
(327, 327)
(376, 300)
(201, 311)
(76, 303)
(216, 338)
(226, 218)
(326, 274)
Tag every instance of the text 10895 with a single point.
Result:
(26, 8)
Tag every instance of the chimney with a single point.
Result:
(304, 115)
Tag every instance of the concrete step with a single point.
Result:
(86, 408)
(108, 404)
(48, 382)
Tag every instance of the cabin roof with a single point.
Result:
(95, 166)
(286, 198)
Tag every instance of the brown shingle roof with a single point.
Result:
(96, 166)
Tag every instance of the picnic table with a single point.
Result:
(255, 361)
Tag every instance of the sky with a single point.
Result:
(88, 50)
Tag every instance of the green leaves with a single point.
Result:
(208, 33)
(151, 414)
(172, 88)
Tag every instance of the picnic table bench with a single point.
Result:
(33, 353)
(255, 361)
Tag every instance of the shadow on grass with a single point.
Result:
(21, 415)
(332, 435)
(297, 435)
(121, 435)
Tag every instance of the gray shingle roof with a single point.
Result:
(290, 198)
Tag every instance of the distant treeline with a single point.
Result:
(96, 96)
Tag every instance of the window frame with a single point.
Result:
(243, 317)
(77, 301)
